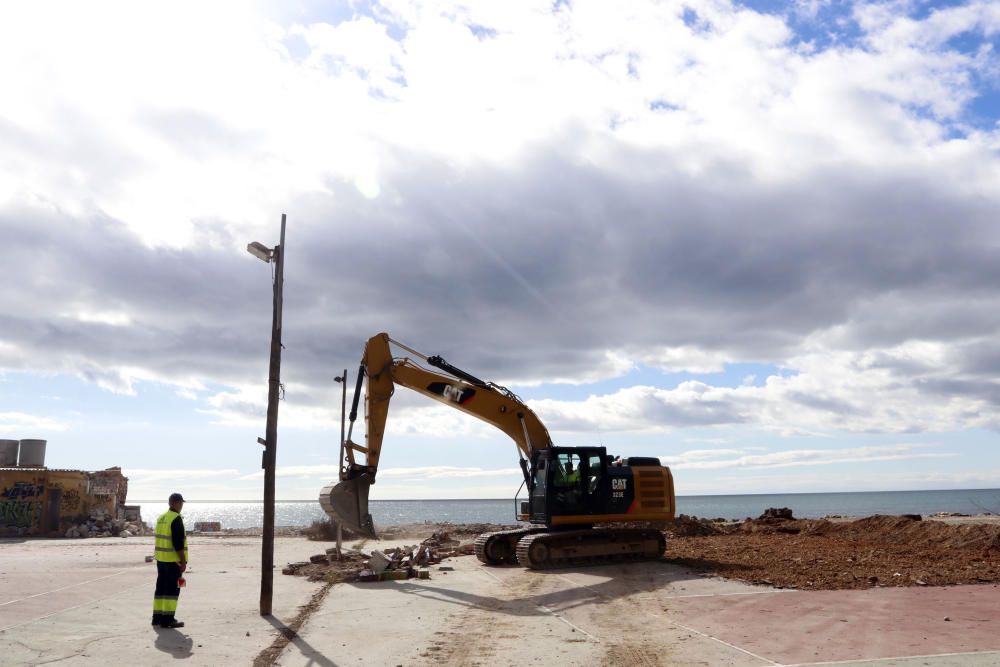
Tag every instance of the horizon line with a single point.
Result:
(693, 495)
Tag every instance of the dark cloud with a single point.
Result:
(529, 270)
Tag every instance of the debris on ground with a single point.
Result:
(406, 562)
(103, 524)
(775, 549)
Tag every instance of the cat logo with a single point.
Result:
(460, 395)
(619, 484)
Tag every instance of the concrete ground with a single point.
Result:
(89, 602)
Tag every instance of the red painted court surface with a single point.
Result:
(829, 626)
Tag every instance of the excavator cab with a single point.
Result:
(568, 482)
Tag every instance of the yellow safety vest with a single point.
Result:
(165, 551)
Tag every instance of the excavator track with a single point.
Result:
(500, 547)
(594, 546)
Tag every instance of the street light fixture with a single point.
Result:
(260, 251)
(270, 441)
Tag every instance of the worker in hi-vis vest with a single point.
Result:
(171, 562)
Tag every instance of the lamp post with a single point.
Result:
(270, 441)
(342, 380)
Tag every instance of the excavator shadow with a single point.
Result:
(520, 595)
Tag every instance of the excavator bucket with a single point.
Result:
(347, 503)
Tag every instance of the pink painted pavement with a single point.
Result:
(819, 626)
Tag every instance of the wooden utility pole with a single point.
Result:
(270, 441)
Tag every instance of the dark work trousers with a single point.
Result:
(167, 591)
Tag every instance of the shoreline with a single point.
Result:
(400, 530)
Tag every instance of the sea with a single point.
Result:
(248, 514)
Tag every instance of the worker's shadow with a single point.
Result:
(175, 643)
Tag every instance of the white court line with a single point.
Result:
(549, 611)
(594, 590)
(733, 646)
(898, 657)
(82, 583)
(82, 604)
(575, 627)
(727, 595)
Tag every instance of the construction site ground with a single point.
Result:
(89, 602)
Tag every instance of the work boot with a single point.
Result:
(172, 624)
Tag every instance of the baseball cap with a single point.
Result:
(175, 497)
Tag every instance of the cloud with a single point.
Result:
(17, 424)
(798, 457)
(889, 390)
(539, 194)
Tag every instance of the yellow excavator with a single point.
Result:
(574, 493)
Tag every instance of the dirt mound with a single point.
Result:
(421, 530)
(692, 526)
(922, 534)
(820, 554)
(776, 514)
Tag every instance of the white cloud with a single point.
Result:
(563, 194)
(151, 475)
(799, 457)
(17, 425)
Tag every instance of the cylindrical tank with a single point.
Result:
(8, 453)
(32, 454)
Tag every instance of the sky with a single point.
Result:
(758, 240)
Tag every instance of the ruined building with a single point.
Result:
(40, 501)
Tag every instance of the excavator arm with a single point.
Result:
(347, 501)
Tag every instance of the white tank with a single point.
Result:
(8, 453)
(32, 454)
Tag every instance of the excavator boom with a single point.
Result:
(347, 501)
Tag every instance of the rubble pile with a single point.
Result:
(103, 524)
(407, 562)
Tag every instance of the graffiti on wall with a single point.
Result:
(19, 513)
(22, 490)
(70, 500)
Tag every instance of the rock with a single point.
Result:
(378, 562)
(71, 532)
(947, 618)
(319, 558)
(125, 533)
